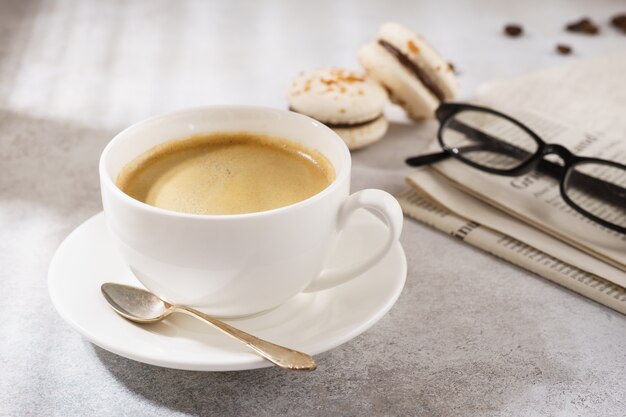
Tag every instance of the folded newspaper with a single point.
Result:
(524, 220)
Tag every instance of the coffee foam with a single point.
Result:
(226, 173)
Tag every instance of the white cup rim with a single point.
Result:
(107, 181)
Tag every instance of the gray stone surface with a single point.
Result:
(470, 335)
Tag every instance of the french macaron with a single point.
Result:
(414, 74)
(348, 102)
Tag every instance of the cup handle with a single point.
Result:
(384, 206)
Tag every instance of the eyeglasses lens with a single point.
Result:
(599, 189)
(488, 140)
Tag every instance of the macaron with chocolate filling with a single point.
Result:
(348, 102)
(414, 74)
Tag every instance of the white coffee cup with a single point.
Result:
(239, 264)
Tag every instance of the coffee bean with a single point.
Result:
(513, 30)
(619, 21)
(584, 25)
(563, 49)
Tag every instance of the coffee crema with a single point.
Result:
(226, 173)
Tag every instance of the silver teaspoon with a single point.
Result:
(142, 306)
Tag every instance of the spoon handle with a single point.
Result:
(280, 355)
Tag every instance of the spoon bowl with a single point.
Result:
(135, 304)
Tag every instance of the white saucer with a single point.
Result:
(312, 323)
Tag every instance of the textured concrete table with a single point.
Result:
(470, 335)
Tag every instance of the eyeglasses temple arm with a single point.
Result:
(421, 160)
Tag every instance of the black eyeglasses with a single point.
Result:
(494, 142)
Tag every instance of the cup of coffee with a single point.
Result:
(234, 209)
